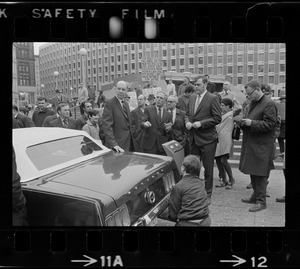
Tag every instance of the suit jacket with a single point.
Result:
(209, 114)
(116, 126)
(137, 130)
(23, 121)
(179, 131)
(57, 123)
(157, 132)
(55, 101)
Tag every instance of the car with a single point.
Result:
(70, 179)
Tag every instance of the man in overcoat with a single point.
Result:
(258, 127)
(157, 123)
(202, 116)
(116, 121)
(137, 117)
(58, 98)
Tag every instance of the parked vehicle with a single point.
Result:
(71, 179)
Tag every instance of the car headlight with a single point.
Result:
(120, 217)
(169, 181)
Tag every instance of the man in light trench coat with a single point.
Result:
(258, 127)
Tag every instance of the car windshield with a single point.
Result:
(59, 151)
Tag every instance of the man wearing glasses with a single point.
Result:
(258, 127)
(202, 116)
(116, 121)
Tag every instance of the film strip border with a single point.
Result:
(147, 22)
(149, 247)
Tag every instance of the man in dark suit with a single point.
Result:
(116, 121)
(157, 123)
(178, 131)
(137, 117)
(203, 114)
(210, 87)
(20, 120)
(63, 120)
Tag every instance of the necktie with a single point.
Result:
(159, 113)
(124, 109)
(197, 103)
(66, 123)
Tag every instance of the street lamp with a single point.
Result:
(42, 89)
(83, 53)
(55, 73)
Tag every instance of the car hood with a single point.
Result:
(111, 174)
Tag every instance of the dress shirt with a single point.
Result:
(161, 112)
(199, 99)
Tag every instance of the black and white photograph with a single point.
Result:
(148, 134)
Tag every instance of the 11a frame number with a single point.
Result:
(262, 260)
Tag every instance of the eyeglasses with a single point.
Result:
(249, 94)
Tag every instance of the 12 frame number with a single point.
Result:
(262, 262)
(108, 261)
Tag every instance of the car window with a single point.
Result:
(46, 209)
(58, 151)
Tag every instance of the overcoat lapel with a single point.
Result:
(204, 99)
(120, 107)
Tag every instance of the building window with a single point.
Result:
(133, 56)
(181, 70)
(261, 57)
(250, 57)
(229, 58)
(133, 66)
(210, 49)
(112, 59)
(271, 46)
(260, 68)
(250, 78)
(201, 70)
(229, 47)
(112, 77)
(220, 48)
(125, 58)
(164, 53)
(173, 52)
(260, 79)
(173, 62)
(250, 68)
(118, 49)
(132, 46)
(200, 60)
(156, 54)
(281, 79)
(200, 49)
(229, 69)
(112, 69)
(240, 80)
(125, 47)
(140, 46)
(181, 51)
(119, 58)
(181, 61)
(209, 59)
(240, 69)
(125, 67)
(282, 68)
(210, 70)
(282, 56)
(220, 70)
(191, 70)
(119, 67)
(240, 47)
(250, 46)
(261, 46)
(240, 58)
(220, 59)
(282, 45)
(191, 61)
(271, 56)
(164, 63)
(271, 68)
(191, 50)
(271, 79)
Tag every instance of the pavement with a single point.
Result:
(226, 208)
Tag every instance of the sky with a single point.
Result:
(36, 47)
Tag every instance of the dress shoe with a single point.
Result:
(257, 207)
(249, 200)
(280, 200)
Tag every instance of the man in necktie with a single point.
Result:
(63, 120)
(202, 116)
(178, 131)
(116, 121)
(157, 123)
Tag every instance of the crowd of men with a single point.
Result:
(188, 115)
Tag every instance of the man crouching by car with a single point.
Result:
(188, 204)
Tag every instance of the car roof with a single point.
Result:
(26, 137)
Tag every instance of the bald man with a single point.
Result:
(117, 121)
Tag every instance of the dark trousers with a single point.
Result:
(259, 185)
(207, 156)
(155, 150)
(224, 167)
